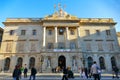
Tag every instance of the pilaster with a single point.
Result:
(67, 38)
(56, 39)
(44, 36)
(78, 39)
(108, 62)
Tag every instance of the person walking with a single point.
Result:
(33, 73)
(94, 71)
(86, 72)
(70, 73)
(25, 72)
(65, 74)
(115, 71)
(15, 74)
(83, 74)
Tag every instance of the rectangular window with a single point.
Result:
(34, 32)
(88, 46)
(100, 45)
(72, 32)
(110, 46)
(9, 47)
(108, 32)
(33, 46)
(87, 32)
(72, 45)
(97, 32)
(61, 45)
(23, 32)
(21, 46)
(50, 32)
(50, 46)
(12, 32)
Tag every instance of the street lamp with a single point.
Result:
(83, 61)
(41, 62)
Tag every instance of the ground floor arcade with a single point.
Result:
(45, 62)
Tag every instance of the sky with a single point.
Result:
(79, 8)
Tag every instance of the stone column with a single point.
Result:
(54, 61)
(37, 63)
(2, 62)
(67, 38)
(44, 36)
(56, 40)
(13, 62)
(108, 62)
(78, 40)
(26, 61)
(44, 65)
(67, 33)
(68, 63)
(96, 59)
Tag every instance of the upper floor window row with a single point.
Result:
(107, 32)
(23, 32)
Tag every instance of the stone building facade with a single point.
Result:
(60, 40)
(118, 36)
(1, 33)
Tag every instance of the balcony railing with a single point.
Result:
(60, 50)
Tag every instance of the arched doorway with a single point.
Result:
(7, 64)
(113, 61)
(102, 63)
(90, 62)
(62, 62)
(31, 62)
(19, 61)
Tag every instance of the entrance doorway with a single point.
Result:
(62, 62)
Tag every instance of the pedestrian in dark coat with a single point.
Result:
(115, 71)
(33, 73)
(16, 73)
(25, 72)
(65, 74)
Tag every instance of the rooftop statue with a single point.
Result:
(60, 14)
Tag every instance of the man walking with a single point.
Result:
(94, 71)
(33, 73)
(65, 74)
(115, 71)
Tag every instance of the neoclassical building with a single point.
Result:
(60, 40)
(118, 35)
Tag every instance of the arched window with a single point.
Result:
(113, 61)
(7, 64)
(102, 63)
(31, 62)
(90, 62)
(19, 61)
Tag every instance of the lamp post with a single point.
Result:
(83, 61)
(41, 62)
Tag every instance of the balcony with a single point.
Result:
(60, 50)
